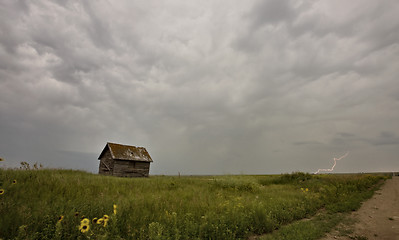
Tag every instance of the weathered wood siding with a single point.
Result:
(123, 168)
(106, 164)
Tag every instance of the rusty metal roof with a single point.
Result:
(126, 152)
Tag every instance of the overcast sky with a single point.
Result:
(208, 87)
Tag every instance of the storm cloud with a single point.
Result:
(207, 87)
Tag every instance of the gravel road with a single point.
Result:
(378, 217)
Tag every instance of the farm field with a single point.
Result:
(66, 204)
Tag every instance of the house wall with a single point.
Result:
(106, 164)
(124, 168)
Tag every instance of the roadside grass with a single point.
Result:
(314, 228)
(345, 195)
(53, 204)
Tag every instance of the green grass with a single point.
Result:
(314, 228)
(161, 207)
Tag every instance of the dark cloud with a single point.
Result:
(386, 138)
(271, 12)
(346, 135)
(307, 143)
(208, 88)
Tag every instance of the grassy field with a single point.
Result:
(66, 204)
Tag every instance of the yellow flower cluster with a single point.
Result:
(102, 221)
(84, 225)
(304, 189)
(85, 222)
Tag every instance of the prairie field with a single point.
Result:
(68, 204)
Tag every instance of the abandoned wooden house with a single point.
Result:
(124, 161)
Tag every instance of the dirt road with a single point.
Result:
(378, 218)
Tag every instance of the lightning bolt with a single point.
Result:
(335, 163)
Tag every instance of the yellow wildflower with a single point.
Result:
(14, 181)
(1, 191)
(60, 218)
(94, 220)
(307, 189)
(84, 228)
(85, 221)
(100, 221)
(115, 209)
(106, 219)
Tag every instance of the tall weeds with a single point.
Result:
(50, 204)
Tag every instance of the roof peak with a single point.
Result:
(127, 152)
(121, 144)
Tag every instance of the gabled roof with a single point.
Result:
(126, 152)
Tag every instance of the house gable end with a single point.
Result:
(106, 148)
